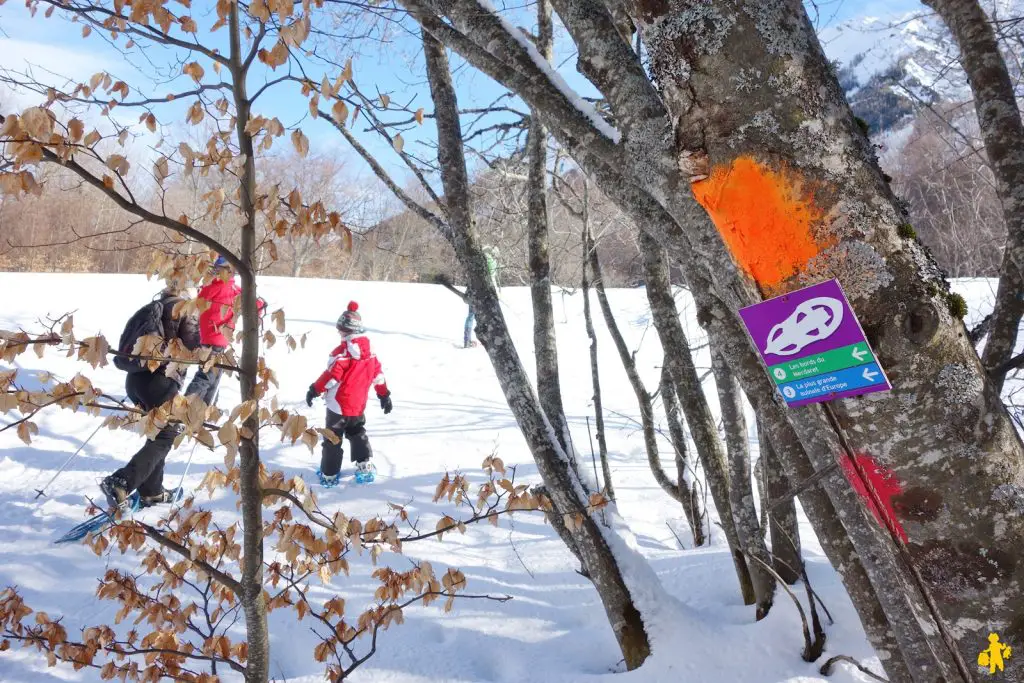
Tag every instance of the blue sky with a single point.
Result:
(833, 11)
(57, 46)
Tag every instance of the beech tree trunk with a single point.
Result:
(559, 476)
(595, 374)
(782, 522)
(741, 495)
(762, 492)
(695, 407)
(643, 398)
(693, 506)
(254, 606)
(1003, 133)
(544, 346)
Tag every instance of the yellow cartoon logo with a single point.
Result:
(995, 654)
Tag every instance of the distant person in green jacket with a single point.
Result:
(491, 253)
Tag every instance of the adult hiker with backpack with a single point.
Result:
(148, 390)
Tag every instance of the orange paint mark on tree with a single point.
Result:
(765, 217)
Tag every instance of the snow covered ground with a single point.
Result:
(449, 414)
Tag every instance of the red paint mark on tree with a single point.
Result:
(885, 484)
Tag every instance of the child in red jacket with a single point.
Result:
(216, 324)
(351, 371)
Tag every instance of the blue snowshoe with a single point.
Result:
(365, 472)
(328, 482)
(99, 521)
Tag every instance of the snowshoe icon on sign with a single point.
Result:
(812, 321)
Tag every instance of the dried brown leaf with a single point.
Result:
(26, 430)
(195, 70)
(204, 437)
(196, 113)
(161, 170)
(300, 142)
(340, 112)
(38, 122)
(76, 129)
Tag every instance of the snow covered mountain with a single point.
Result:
(890, 64)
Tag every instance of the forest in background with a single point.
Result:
(937, 171)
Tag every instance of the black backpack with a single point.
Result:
(146, 320)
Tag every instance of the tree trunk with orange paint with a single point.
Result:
(796, 195)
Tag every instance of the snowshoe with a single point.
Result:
(328, 482)
(99, 521)
(365, 472)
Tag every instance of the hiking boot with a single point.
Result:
(115, 488)
(165, 496)
(328, 481)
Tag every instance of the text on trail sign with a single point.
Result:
(814, 346)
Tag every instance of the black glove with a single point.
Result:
(310, 395)
(385, 403)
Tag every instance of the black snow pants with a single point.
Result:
(354, 428)
(145, 471)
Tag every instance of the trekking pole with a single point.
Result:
(42, 491)
(181, 481)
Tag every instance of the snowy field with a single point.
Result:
(449, 414)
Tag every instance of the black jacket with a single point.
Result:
(185, 328)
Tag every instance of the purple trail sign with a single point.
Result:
(814, 346)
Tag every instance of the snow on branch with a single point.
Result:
(553, 76)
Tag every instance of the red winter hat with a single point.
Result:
(350, 321)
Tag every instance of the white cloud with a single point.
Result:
(57, 65)
(47, 63)
(50, 60)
